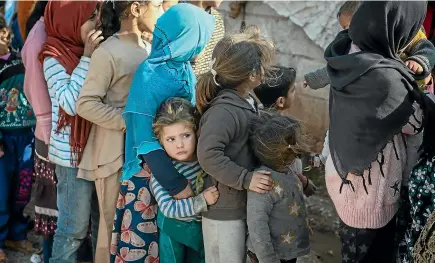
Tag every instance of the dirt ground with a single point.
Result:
(323, 220)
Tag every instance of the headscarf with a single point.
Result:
(372, 91)
(63, 21)
(181, 33)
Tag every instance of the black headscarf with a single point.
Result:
(372, 91)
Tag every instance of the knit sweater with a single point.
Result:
(35, 86)
(15, 110)
(188, 209)
(277, 220)
(64, 90)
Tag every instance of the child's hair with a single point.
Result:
(348, 8)
(3, 24)
(270, 91)
(172, 111)
(37, 13)
(235, 58)
(112, 12)
(277, 140)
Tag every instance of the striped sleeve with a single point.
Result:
(173, 208)
(65, 88)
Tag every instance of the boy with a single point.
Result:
(278, 95)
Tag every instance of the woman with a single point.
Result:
(372, 105)
(180, 35)
(71, 40)
(102, 98)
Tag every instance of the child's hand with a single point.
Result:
(261, 182)
(305, 84)
(310, 189)
(1, 151)
(414, 66)
(93, 40)
(211, 195)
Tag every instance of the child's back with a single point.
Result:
(280, 216)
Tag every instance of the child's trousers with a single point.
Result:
(180, 241)
(16, 168)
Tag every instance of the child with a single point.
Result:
(179, 220)
(240, 63)
(419, 55)
(277, 221)
(278, 94)
(71, 40)
(17, 122)
(102, 98)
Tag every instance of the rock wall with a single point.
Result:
(301, 31)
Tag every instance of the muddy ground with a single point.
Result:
(323, 220)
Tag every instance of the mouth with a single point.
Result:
(182, 153)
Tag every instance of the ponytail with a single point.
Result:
(109, 19)
(206, 90)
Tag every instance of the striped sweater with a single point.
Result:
(185, 209)
(64, 90)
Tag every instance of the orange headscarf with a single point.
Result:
(63, 21)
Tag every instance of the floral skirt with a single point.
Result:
(44, 194)
(422, 200)
(135, 236)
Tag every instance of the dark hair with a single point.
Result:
(3, 23)
(235, 57)
(174, 110)
(111, 14)
(37, 13)
(280, 86)
(277, 140)
(348, 8)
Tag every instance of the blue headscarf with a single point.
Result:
(181, 33)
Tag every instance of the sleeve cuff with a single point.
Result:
(247, 180)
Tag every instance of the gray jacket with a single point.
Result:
(317, 79)
(277, 221)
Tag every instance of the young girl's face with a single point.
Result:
(89, 25)
(5, 37)
(179, 141)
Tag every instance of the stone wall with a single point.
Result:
(301, 31)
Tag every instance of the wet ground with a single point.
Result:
(323, 220)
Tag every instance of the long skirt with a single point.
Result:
(135, 235)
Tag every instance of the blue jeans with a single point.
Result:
(74, 198)
(16, 168)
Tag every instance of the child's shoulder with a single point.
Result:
(283, 183)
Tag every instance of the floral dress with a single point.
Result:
(422, 200)
(135, 236)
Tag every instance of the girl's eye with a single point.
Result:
(170, 139)
(187, 135)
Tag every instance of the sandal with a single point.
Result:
(24, 246)
(3, 258)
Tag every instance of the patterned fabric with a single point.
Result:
(64, 90)
(202, 66)
(44, 192)
(422, 200)
(185, 209)
(135, 236)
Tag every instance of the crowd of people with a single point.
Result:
(138, 131)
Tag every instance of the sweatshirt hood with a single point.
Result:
(231, 97)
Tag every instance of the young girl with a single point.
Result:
(372, 96)
(277, 221)
(71, 40)
(240, 63)
(102, 98)
(278, 95)
(16, 148)
(179, 220)
(166, 73)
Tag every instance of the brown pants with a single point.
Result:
(107, 191)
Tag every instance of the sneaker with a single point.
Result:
(24, 246)
(3, 258)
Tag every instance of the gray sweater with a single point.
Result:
(277, 221)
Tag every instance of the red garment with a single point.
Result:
(63, 22)
(427, 23)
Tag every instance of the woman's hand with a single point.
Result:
(93, 40)
(261, 182)
(211, 195)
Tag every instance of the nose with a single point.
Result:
(180, 144)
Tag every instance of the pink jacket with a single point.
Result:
(35, 86)
(376, 208)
